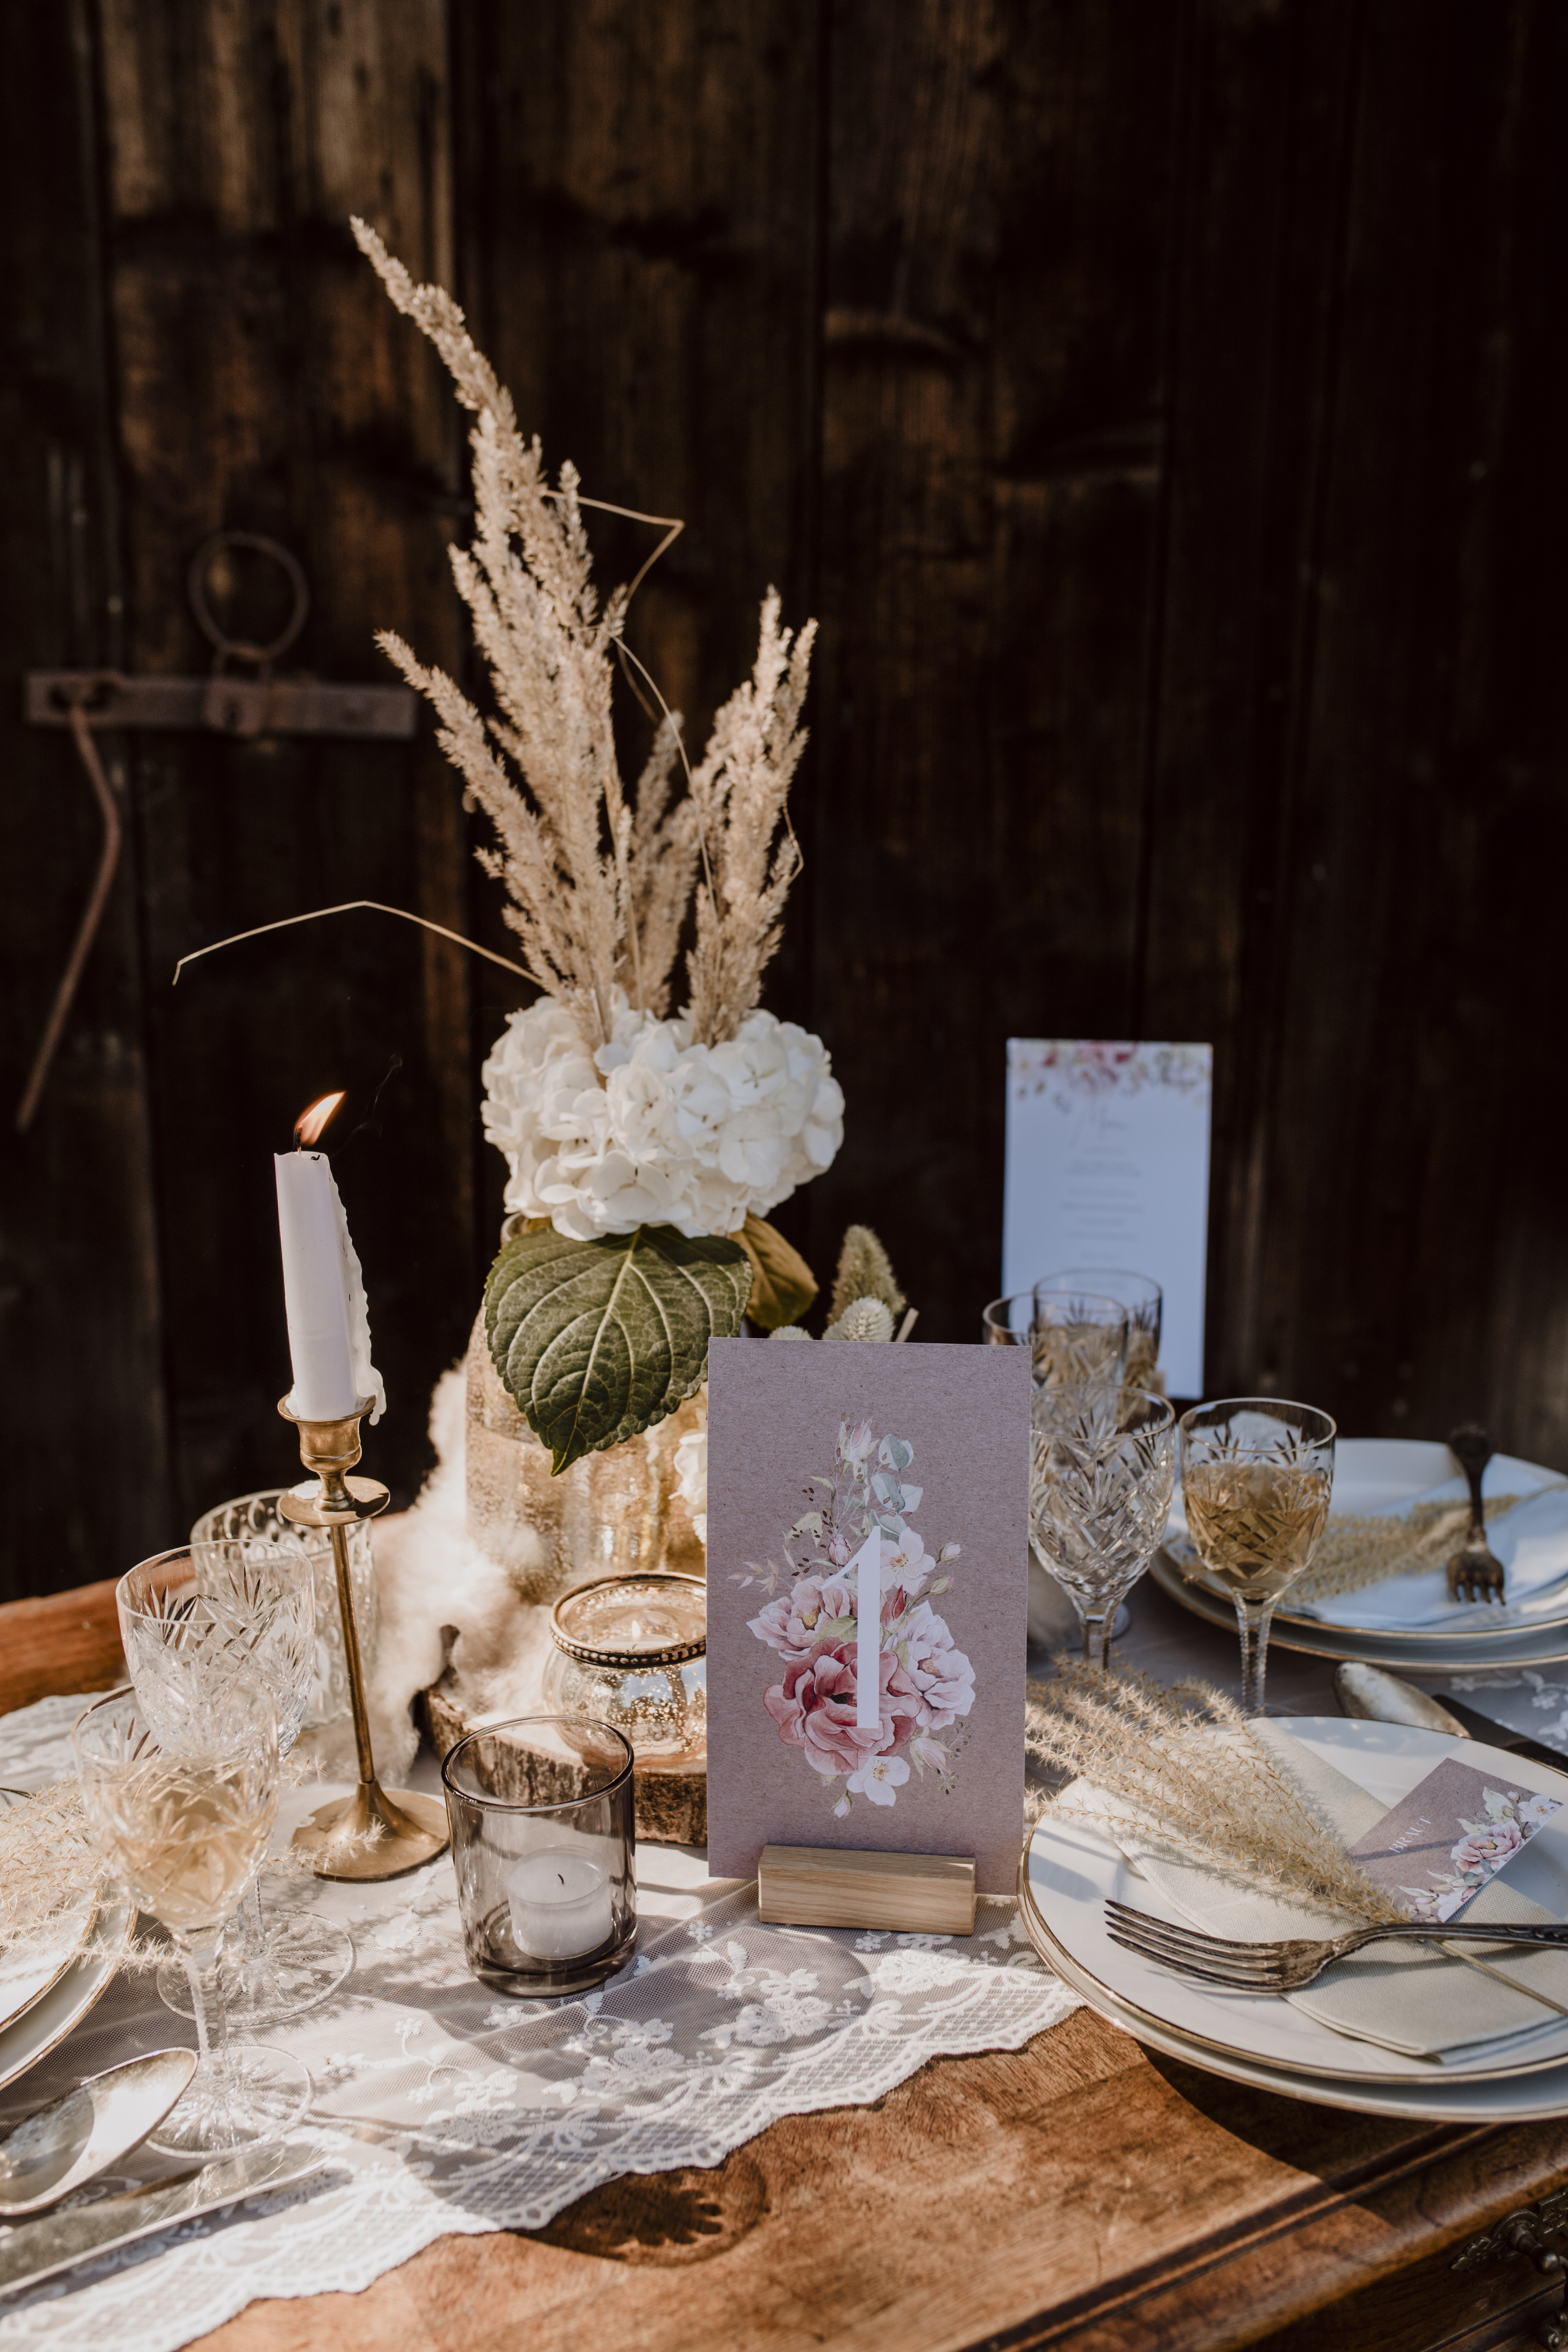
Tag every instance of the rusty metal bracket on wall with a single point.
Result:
(260, 705)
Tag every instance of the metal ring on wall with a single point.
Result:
(240, 648)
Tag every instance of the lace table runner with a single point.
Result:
(442, 2108)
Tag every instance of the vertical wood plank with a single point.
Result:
(267, 384)
(638, 198)
(83, 1431)
(991, 446)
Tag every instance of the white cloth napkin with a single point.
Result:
(1405, 1997)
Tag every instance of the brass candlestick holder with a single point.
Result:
(376, 1833)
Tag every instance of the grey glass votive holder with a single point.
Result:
(543, 1846)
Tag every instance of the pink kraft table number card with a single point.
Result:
(867, 1547)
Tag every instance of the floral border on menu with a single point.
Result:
(1069, 1067)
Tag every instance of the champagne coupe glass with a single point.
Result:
(1144, 1301)
(191, 1621)
(184, 1824)
(1257, 1475)
(1102, 1468)
(1079, 1338)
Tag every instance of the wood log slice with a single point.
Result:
(670, 1799)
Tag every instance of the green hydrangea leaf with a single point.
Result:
(598, 1341)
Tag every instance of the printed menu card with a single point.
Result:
(867, 1548)
(1108, 1165)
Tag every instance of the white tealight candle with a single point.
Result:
(313, 1292)
(561, 1905)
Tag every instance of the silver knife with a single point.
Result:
(37, 2250)
(1378, 1696)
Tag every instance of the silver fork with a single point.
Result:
(1475, 1573)
(1273, 1969)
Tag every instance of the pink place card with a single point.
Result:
(868, 1575)
(1450, 1836)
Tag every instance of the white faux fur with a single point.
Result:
(443, 1602)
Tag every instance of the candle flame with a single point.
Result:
(311, 1123)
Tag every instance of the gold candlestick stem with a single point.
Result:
(376, 1833)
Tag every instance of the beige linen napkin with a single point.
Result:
(1406, 1997)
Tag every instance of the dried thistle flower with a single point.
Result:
(1185, 1762)
(865, 1271)
(863, 1318)
(600, 883)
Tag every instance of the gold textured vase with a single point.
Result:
(616, 1513)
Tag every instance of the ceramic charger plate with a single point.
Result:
(1372, 1474)
(26, 1976)
(44, 2024)
(1068, 1871)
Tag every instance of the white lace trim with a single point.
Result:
(443, 2109)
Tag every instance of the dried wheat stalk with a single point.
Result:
(600, 884)
(1185, 1762)
(865, 1271)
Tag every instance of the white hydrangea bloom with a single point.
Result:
(653, 1130)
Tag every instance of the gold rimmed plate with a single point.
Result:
(43, 2026)
(1377, 1475)
(26, 1976)
(1419, 1652)
(1071, 1870)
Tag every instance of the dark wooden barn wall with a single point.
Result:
(1159, 405)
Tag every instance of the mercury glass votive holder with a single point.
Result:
(631, 1650)
(543, 1844)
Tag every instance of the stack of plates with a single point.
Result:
(45, 1990)
(1379, 1474)
(1068, 1872)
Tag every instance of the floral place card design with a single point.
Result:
(1107, 1164)
(1455, 1830)
(868, 1550)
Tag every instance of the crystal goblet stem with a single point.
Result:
(1254, 1619)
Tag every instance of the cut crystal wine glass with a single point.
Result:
(191, 1619)
(1144, 1299)
(1256, 1477)
(1102, 1471)
(184, 1824)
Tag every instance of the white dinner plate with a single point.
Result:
(26, 1976)
(1379, 1474)
(1073, 1870)
(1423, 1653)
(44, 2026)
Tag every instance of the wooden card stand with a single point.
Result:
(824, 1886)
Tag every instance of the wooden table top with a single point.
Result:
(1080, 2192)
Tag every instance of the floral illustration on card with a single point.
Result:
(1074, 1067)
(1485, 1848)
(857, 1530)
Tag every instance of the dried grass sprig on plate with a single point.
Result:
(1360, 1550)
(1184, 1762)
(49, 1865)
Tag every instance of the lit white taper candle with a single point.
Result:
(323, 1293)
(869, 1634)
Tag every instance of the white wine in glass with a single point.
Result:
(183, 1827)
(1257, 1478)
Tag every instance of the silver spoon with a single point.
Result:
(75, 2138)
